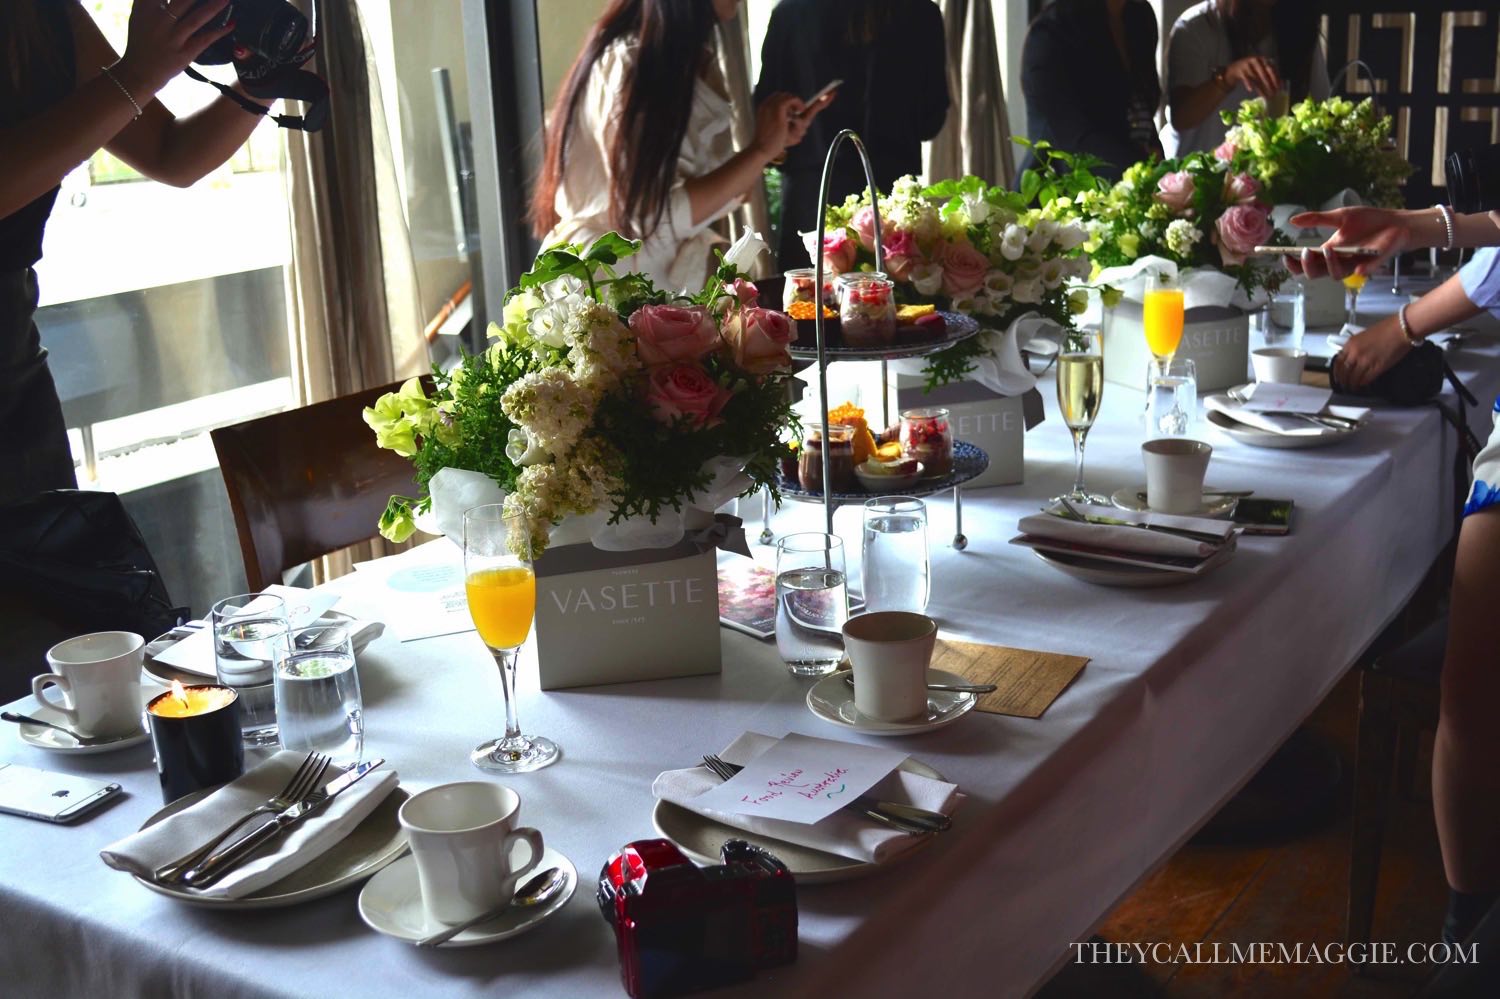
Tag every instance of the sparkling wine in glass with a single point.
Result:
(1080, 388)
(501, 589)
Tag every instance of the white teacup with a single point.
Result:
(1175, 467)
(1282, 365)
(463, 837)
(889, 651)
(100, 677)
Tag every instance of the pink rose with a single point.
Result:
(1241, 189)
(964, 269)
(1239, 231)
(758, 340)
(863, 225)
(901, 253)
(744, 291)
(665, 334)
(1175, 190)
(838, 252)
(685, 391)
(1225, 151)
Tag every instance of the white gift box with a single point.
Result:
(1215, 338)
(995, 423)
(621, 616)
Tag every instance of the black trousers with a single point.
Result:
(34, 453)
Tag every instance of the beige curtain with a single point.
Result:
(355, 322)
(976, 138)
(734, 64)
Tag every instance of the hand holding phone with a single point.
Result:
(1296, 251)
(812, 101)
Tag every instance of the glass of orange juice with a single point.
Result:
(1355, 283)
(501, 588)
(1162, 316)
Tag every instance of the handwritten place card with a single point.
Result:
(1274, 397)
(802, 779)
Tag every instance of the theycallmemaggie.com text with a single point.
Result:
(1105, 952)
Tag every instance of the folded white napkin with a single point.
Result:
(1288, 426)
(842, 833)
(1272, 397)
(1131, 540)
(145, 851)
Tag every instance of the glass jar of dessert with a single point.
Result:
(839, 439)
(799, 286)
(843, 281)
(927, 436)
(867, 312)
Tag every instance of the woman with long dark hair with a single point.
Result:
(1223, 52)
(639, 139)
(65, 94)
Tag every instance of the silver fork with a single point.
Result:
(904, 818)
(302, 783)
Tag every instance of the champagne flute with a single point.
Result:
(501, 589)
(1162, 316)
(1355, 283)
(1080, 387)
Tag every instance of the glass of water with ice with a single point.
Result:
(318, 704)
(812, 602)
(896, 573)
(250, 635)
(1171, 398)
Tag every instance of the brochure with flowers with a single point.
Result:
(603, 396)
(747, 596)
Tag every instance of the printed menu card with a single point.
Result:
(802, 779)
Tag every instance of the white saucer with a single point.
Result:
(832, 700)
(54, 741)
(1212, 506)
(391, 903)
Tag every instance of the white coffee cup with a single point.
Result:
(1282, 365)
(889, 651)
(463, 837)
(100, 677)
(1175, 467)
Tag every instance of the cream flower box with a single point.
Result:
(1215, 338)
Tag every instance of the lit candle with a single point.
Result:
(184, 702)
(195, 730)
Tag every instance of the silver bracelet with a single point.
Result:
(1411, 339)
(1448, 227)
(138, 112)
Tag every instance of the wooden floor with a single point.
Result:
(1290, 891)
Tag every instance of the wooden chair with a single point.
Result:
(307, 482)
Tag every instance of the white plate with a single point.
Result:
(392, 904)
(832, 700)
(1246, 434)
(164, 674)
(54, 741)
(372, 845)
(1113, 573)
(700, 838)
(877, 483)
(1212, 506)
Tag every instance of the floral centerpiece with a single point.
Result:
(602, 395)
(964, 246)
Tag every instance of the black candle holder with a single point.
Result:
(197, 751)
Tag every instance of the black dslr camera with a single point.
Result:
(1474, 179)
(279, 40)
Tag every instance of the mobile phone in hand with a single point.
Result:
(1296, 251)
(830, 88)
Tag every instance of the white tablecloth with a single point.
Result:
(1188, 691)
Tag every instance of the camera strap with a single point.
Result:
(297, 85)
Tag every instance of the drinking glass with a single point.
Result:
(1162, 316)
(1355, 283)
(1171, 398)
(501, 588)
(896, 573)
(812, 602)
(250, 637)
(318, 704)
(1080, 387)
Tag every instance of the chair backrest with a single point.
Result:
(307, 482)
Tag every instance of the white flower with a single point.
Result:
(563, 287)
(1041, 235)
(1080, 267)
(927, 278)
(1071, 236)
(1182, 236)
(551, 406)
(745, 250)
(549, 324)
(522, 449)
(998, 283)
(1053, 272)
(1147, 229)
(601, 350)
(1013, 243)
(976, 207)
(1028, 291)
(968, 305)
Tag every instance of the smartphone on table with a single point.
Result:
(51, 797)
(1263, 516)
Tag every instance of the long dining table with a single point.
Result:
(1187, 692)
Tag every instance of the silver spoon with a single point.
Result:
(953, 688)
(534, 892)
(83, 740)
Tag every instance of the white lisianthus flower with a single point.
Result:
(549, 324)
(1013, 243)
(563, 287)
(745, 251)
(1052, 273)
(522, 449)
(1028, 291)
(927, 278)
(1071, 236)
(976, 207)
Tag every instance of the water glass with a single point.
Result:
(812, 602)
(250, 638)
(1171, 398)
(896, 573)
(318, 704)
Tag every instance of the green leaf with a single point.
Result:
(611, 248)
(1031, 183)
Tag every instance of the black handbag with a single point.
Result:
(1411, 381)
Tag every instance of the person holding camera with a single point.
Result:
(65, 94)
(1466, 752)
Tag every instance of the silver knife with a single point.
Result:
(227, 859)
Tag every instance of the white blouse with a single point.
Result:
(676, 256)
